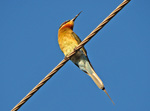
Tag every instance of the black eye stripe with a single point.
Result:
(64, 23)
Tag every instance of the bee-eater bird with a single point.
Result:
(67, 41)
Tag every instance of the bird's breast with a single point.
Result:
(67, 42)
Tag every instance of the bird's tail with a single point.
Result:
(97, 80)
(99, 83)
(84, 64)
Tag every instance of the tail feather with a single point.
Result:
(97, 80)
(99, 83)
(108, 96)
(82, 61)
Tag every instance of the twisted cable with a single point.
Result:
(43, 81)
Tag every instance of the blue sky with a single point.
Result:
(119, 54)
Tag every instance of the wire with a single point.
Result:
(43, 81)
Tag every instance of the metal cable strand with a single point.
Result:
(43, 81)
(102, 24)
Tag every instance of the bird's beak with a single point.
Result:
(76, 16)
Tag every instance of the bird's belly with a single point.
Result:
(77, 57)
(68, 46)
(81, 61)
(67, 50)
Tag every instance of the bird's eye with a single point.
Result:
(64, 23)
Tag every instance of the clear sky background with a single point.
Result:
(119, 53)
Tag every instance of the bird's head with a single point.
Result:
(69, 23)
